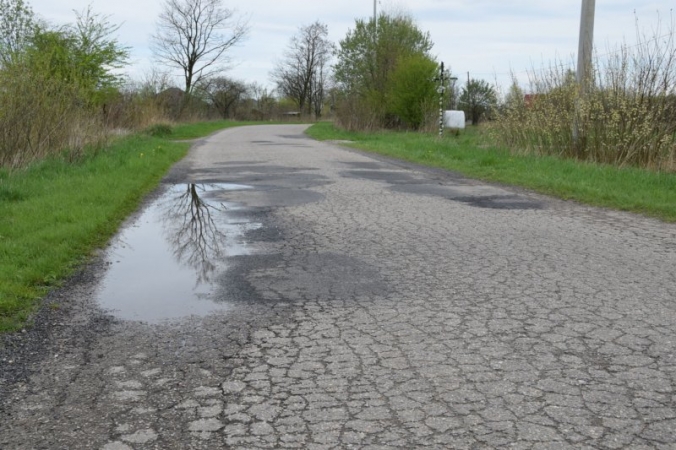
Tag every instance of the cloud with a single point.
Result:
(488, 38)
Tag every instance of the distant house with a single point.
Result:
(530, 99)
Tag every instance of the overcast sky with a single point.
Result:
(488, 38)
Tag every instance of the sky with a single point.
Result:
(490, 39)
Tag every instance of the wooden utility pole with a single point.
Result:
(584, 59)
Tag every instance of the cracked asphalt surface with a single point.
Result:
(383, 306)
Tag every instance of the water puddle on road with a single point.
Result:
(163, 266)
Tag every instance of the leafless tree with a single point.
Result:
(193, 233)
(224, 94)
(301, 75)
(195, 35)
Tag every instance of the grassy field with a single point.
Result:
(471, 153)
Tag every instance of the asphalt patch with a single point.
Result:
(363, 165)
(391, 177)
(301, 277)
(500, 202)
(485, 197)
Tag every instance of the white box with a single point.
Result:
(454, 120)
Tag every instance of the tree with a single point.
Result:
(367, 58)
(301, 75)
(263, 98)
(195, 35)
(224, 94)
(369, 54)
(17, 24)
(478, 99)
(515, 98)
(413, 90)
(84, 54)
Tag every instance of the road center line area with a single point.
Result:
(336, 300)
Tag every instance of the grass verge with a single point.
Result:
(627, 189)
(55, 213)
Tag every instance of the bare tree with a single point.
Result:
(193, 233)
(195, 36)
(301, 75)
(224, 94)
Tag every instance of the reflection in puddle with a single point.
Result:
(164, 265)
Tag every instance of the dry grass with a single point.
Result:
(626, 118)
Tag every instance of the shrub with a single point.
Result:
(626, 117)
(41, 115)
(160, 130)
(412, 90)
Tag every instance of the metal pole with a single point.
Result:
(584, 58)
(441, 100)
(469, 99)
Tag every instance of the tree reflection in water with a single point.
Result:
(193, 233)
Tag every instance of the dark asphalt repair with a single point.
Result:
(369, 304)
(406, 182)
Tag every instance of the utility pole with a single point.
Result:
(375, 13)
(469, 98)
(442, 88)
(584, 58)
(586, 47)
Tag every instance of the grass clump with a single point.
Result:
(159, 130)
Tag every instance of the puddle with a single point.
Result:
(164, 265)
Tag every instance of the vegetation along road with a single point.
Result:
(312, 296)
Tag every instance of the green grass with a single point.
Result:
(628, 189)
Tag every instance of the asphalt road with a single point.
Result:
(379, 305)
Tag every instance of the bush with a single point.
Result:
(41, 115)
(627, 117)
(413, 91)
(160, 130)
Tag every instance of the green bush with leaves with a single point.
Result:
(367, 59)
(412, 90)
(479, 100)
(54, 83)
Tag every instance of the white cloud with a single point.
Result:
(484, 37)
